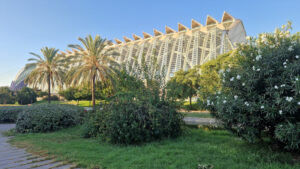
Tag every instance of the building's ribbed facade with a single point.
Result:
(184, 48)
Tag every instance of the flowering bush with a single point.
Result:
(261, 93)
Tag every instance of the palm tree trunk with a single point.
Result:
(49, 90)
(93, 92)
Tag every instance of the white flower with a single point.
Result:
(253, 67)
(208, 102)
(238, 77)
(259, 51)
(246, 103)
(224, 101)
(276, 87)
(219, 92)
(243, 84)
(297, 57)
(289, 99)
(298, 103)
(290, 48)
(280, 112)
(297, 79)
(284, 63)
(228, 70)
(284, 66)
(283, 85)
(258, 70)
(262, 107)
(258, 57)
(232, 79)
(236, 97)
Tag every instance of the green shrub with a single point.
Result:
(289, 134)
(261, 94)
(26, 96)
(6, 96)
(9, 114)
(133, 122)
(48, 117)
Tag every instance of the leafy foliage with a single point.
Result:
(183, 85)
(261, 92)
(48, 70)
(52, 98)
(210, 78)
(48, 117)
(6, 96)
(9, 114)
(26, 96)
(91, 63)
(41, 93)
(83, 92)
(138, 113)
(132, 122)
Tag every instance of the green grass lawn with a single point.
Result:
(82, 103)
(197, 146)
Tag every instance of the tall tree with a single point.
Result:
(184, 85)
(48, 69)
(91, 62)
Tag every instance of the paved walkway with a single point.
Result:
(16, 158)
(201, 121)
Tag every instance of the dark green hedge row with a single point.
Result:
(9, 114)
(48, 117)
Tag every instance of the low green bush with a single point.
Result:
(9, 114)
(133, 122)
(48, 117)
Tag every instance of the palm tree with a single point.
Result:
(49, 69)
(92, 62)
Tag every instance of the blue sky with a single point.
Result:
(28, 25)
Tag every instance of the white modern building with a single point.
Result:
(184, 48)
(174, 50)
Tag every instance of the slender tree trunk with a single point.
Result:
(190, 103)
(49, 90)
(93, 92)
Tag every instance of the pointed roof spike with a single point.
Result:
(157, 32)
(126, 39)
(135, 37)
(196, 24)
(118, 41)
(169, 30)
(181, 27)
(227, 17)
(146, 35)
(211, 21)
